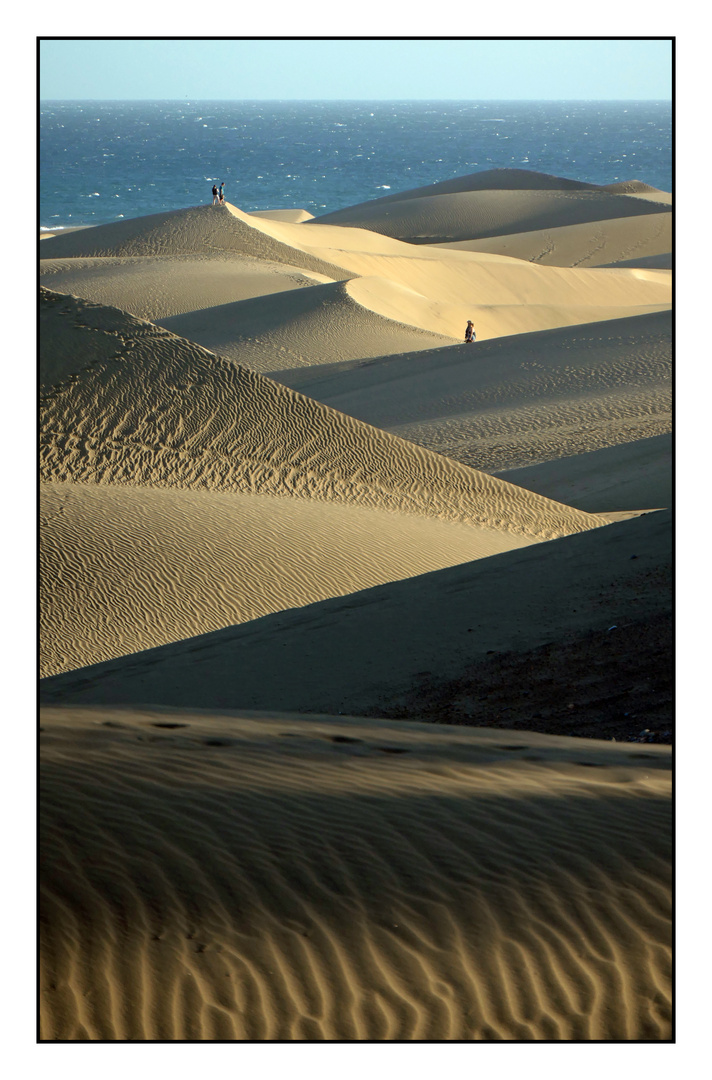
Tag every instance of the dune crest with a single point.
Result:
(204, 230)
(341, 320)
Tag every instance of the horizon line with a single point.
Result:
(371, 101)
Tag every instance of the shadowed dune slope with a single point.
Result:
(128, 402)
(470, 215)
(125, 568)
(361, 653)
(635, 475)
(514, 401)
(265, 878)
(336, 321)
(155, 287)
(630, 240)
(664, 261)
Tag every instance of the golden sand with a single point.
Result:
(287, 515)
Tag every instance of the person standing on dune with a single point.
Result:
(222, 193)
(469, 331)
(215, 194)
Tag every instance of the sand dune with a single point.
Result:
(126, 568)
(143, 406)
(363, 653)
(493, 179)
(335, 321)
(471, 215)
(514, 401)
(274, 877)
(516, 297)
(283, 215)
(504, 295)
(201, 230)
(155, 287)
(638, 189)
(126, 403)
(629, 240)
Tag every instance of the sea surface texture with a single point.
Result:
(103, 161)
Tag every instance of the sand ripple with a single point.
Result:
(126, 568)
(162, 411)
(222, 877)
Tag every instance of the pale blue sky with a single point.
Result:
(348, 69)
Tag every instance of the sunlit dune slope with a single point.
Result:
(125, 568)
(128, 402)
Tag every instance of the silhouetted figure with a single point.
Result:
(215, 194)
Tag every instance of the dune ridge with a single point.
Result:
(197, 230)
(342, 320)
(504, 295)
(147, 407)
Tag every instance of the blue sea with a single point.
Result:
(106, 160)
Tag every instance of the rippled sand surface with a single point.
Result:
(273, 877)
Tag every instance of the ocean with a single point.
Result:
(106, 160)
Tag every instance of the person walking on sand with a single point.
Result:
(222, 193)
(215, 194)
(469, 331)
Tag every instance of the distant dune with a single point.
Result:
(487, 204)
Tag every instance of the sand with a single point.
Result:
(491, 203)
(351, 632)
(221, 876)
(642, 241)
(510, 402)
(420, 291)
